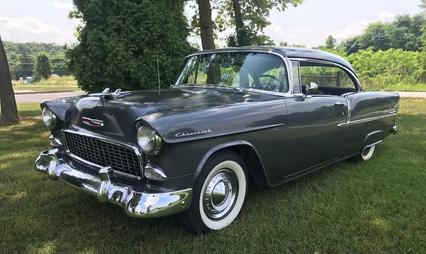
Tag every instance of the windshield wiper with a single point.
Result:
(221, 85)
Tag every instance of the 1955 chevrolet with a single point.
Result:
(268, 114)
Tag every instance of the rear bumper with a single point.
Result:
(106, 189)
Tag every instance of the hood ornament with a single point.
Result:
(107, 95)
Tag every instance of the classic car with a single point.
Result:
(268, 114)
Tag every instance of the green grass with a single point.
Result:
(373, 207)
(55, 84)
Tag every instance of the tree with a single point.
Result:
(422, 56)
(206, 24)
(350, 46)
(120, 42)
(423, 5)
(21, 55)
(9, 111)
(330, 42)
(403, 33)
(42, 68)
(249, 19)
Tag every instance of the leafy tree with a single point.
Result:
(407, 32)
(422, 56)
(377, 36)
(404, 33)
(43, 69)
(330, 42)
(423, 4)
(20, 57)
(249, 19)
(350, 46)
(9, 111)
(25, 67)
(120, 42)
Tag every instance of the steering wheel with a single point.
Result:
(269, 86)
(237, 76)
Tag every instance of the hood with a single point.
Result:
(177, 114)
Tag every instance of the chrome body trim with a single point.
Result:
(55, 142)
(154, 173)
(364, 120)
(104, 186)
(81, 160)
(373, 144)
(107, 140)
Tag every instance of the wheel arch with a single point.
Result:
(247, 152)
(373, 138)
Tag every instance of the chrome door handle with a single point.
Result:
(339, 103)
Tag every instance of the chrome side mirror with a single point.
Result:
(312, 88)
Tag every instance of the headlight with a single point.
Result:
(49, 119)
(148, 140)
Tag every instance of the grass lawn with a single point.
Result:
(373, 207)
(400, 87)
(56, 84)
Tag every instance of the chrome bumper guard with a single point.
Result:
(136, 204)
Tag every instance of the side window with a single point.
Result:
(331, 80)
(296, 76)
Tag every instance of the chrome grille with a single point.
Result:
(103, 153)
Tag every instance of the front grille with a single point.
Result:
(119, 157)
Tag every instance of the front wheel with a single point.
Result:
(219, 194)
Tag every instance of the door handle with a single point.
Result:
(339, 103)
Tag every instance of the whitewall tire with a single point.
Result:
(365, 155)
(219, 194)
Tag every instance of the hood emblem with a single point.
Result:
(192, 133)
(96, 123)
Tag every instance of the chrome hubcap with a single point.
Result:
(220, 194)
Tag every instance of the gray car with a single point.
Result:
(235, 117)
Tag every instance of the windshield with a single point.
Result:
(240, 70)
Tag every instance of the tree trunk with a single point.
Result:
(239, 23)
(206, 24)
(9, 111)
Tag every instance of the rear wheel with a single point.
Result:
(219, 194)
(365, 155)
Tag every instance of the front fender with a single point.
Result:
(223, 146)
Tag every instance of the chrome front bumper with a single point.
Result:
(102, 185)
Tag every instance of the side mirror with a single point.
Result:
(312, 88)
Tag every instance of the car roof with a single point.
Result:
(292, 52)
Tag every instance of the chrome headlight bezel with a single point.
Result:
(148, 139)
(48, 118)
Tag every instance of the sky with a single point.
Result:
(307, 24)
